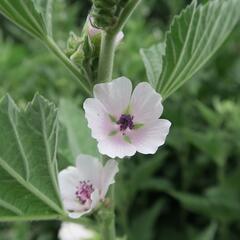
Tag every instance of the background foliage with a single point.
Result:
(191, 188)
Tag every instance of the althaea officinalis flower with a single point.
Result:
(83, 186)
(125, 122)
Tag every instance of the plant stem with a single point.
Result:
(105, 71)
(108, 43)
(49, 42)
(106, 58)
(108, 218)
(107, 215)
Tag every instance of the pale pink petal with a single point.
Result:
(115, 146)
(89, 169)
(145, 103)
(98, 119)
(73, 205)
(151, 136)
(109, 171)
(73, 231)
(95, 197)
(76, 215)
(115, 95)
(68, 181)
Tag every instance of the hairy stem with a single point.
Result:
(106, 58)
(86, 88)
(108, 43)
(105, 71)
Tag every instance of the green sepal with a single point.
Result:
(138, 125)
(112, 133)
(112, 118)
(127, 139)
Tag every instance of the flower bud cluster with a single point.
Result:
(84, 50)
(105, 13)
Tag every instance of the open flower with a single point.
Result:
(83, 186)
(124, 122)
(73, 231)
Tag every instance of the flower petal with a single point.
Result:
(109, 171)
(145, 103)
(115, 96)
(68, 181)
(74, 206)
(95, 197)
(76, 215)
(89, 168)
(115, 146)
(151, 136)
(73, 231)
(98, 119)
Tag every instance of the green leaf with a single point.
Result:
(152, 58)
(194, 37)
(45, 7)
(143, 225)
(24, 14)
(27, 16)
(212, 142)
(220, 205)
(209, 233)
(211, 117)
(145, 170)
(79, 138)
(28, 165)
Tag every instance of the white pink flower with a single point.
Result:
(83, 186)
(125, 122)
(73, 231)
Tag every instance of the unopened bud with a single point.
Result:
(72, 44)
(78, 57)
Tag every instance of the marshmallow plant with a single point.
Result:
(67, 175)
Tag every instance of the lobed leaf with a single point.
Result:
(28, 166)
(27, 16)
(24, 14)
(194, 37)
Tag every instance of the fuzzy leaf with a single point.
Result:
(152, 58)
(24, 14)
(28, 167)
(194, 37)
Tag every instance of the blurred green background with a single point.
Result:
(189, 190)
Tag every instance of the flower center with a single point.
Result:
(125, 122)
(84, 191)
